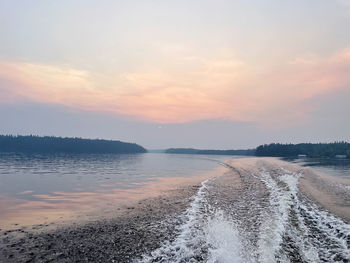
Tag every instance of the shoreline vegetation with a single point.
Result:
(339, 150)
(51, 144)
(312, 150)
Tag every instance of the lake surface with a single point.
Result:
(250, 210)
(333, 167)
(256, 213)
(36, 188)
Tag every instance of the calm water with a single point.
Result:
(260, 216)
(26, 176)
(42, 187)
(333, 167)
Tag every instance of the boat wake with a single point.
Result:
(265, 219)
(206, 235)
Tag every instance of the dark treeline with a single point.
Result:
(210, 152)
(36, 144)
(313, 150)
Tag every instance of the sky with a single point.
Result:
(205, 74)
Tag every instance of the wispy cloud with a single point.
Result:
(224, 88)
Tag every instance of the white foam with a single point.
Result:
(273, 228)
(209, 234)
(206, 235)
(284, 201)
(187, 242)
(225, 242)
(307, 251)
(327, 224)
(334, 229)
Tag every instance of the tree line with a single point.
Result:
(50, 144)
(313, 150)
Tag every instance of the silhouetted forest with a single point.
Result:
(36, 144)
(312, 150)
(210, 152)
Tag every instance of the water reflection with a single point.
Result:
(35, 188)
(329, 166)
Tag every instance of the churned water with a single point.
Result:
(257, 215)
(280, 225)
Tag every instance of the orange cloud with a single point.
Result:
(208, 88)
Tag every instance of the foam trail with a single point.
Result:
(206, 235)
(273, 228)
(282, 225)
(225, 242)
(297, 230)
(187, 244)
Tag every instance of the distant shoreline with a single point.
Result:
(50, 144)
(249, 152)
(338, 150)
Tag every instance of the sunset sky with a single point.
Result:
(206, 74)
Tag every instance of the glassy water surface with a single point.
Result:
(333, 167)
(51, 185)
(27, 175)
(35, 188)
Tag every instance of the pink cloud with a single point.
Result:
(208, 88)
